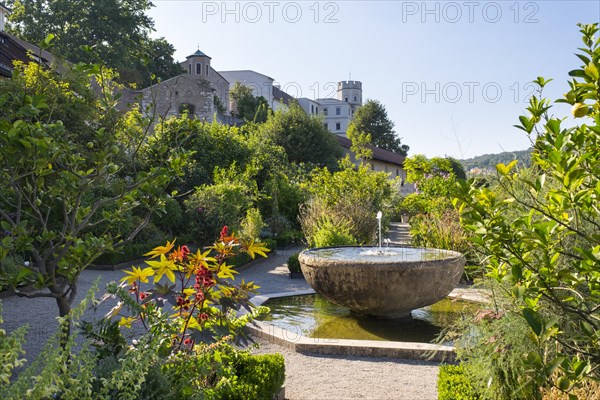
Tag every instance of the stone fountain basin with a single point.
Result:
(388, 286)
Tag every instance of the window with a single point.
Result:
(338, 111)
(198, 69)
(338, 126)
(312, 108)
(189, 69)
(346, 99)
(207, 69)
(325, 125)
(355, 98)
(325, 111)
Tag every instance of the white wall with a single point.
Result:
(261, 85)
(332, 119)
(309, 106)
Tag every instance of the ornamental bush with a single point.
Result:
(454, 384)
(347, 201)
(538, 231)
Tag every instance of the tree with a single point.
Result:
(539, 230)
(68, 182)
(118, 31)
(371, 118)
(303, 137)
(248, 107)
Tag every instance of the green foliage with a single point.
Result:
(493, 346)
(349, 198)
(413, 204)
(248, 107)
(442, 230)
(252, 224)
(131, 252)
(213, 145)
(303, 137)
(360, 143)
(212, 206)
(170, 220)
(11, 349)
(454, 384)
(293, 263)
(539, 230)
(118, 31)
(371, 121)
(330, 233)
(432, 178)
(488, 162)
(70, 182)
(288, 238)
(258, 377)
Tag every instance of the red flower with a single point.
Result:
(185, 250)
(224, 233)
(188, 341)
(203, 316)
(143, 296)
(204, 278)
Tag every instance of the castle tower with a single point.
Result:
(350, 92)
(198, 65)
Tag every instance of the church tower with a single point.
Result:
(198, 65)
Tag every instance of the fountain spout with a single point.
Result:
(379, 215)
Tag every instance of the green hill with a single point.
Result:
(489, 161)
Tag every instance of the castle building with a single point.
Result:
(261, 85)
(336, 112)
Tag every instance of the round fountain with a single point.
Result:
(382, 282)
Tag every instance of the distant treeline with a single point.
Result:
(489, 161)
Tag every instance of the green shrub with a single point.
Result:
(442, 230)
(258, 377)
(252, 225)
(213, 206)
(270, 244)
(293, 264)
(330, 233)
(454, 384)
(172, 220)
(350, 198)
(288, 238)
(130, 252)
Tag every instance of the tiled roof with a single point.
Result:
(283, 96)
(198, 53)
(379, 154)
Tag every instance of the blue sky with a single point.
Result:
(453, 75)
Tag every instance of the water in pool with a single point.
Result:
(314, 316)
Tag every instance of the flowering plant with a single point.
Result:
(197, 286)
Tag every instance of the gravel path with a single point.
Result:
(307, 377)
